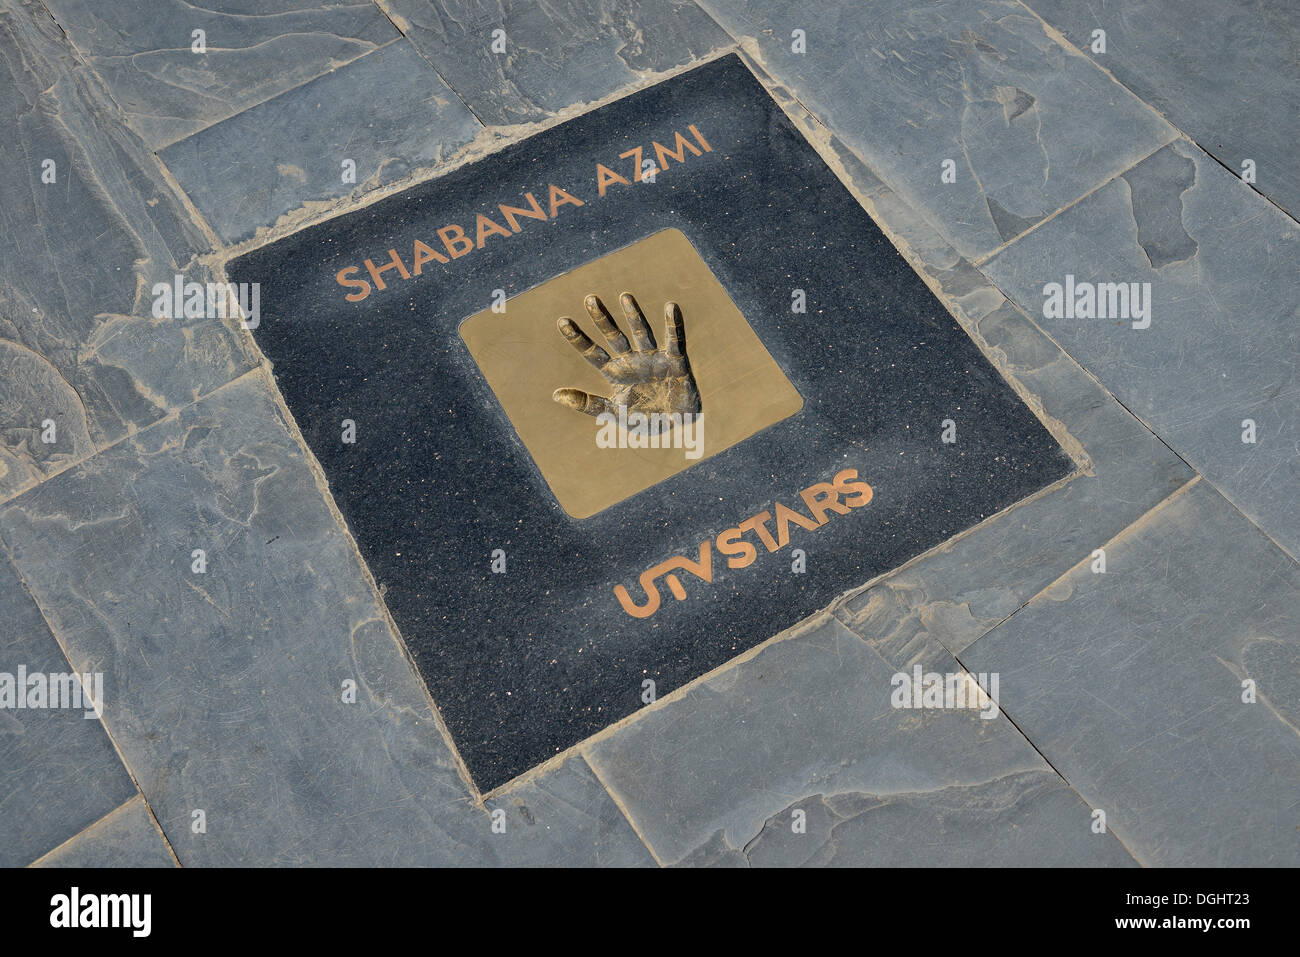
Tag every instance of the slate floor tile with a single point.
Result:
(1131, 684)
(230, 688)
(554, 54)
(957, 592)
(961, 590)
(1223, 339)
(1029, 125)
(127, 837)
(1217, 71)
(254, 49)
(715, 776)
(387, 114)
(59, 772)
(79, 255)
(565, 818)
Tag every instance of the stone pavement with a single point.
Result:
(1142, 616)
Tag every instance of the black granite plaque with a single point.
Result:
(537, 622)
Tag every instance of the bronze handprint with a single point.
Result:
(644, 378)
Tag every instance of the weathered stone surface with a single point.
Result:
(388, 113)
(556, 54)
(807, 724)
(1029, 125)
(226, 688)
(959, 591)
(1223, 338)
(1016, 820)
(1131, 684)
(58, 770)
(956, 592)
(127, 837)
(255, 49)
(1218, 71)
(563, 818)
(78, 258)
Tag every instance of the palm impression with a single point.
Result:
(642, 378)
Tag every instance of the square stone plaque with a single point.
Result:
(524, 358)
(547, 586)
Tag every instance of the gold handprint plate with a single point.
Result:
(525, 359)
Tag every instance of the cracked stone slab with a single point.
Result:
(1131, 684)
(714, 776)
(255, 49)
(1029, 125)
(555, 54)
(79, 256)
(59, 772)
(1218, 81)
(564, 818)
(226, 688)
(387, 114)
(957, 592)
(127, 837)
(1222, 343)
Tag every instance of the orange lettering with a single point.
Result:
(455, 240)
(730, 543)
(394, 262)
(559, 198)
(358, 283)
(703, 570)
(605, 176)
(699, 138)
(425, 253)
(844, 486)
(537, 212)
(636, 162)
(682, 144)
(821, 497)
(756, 524)
(784, 516)
(488, 228)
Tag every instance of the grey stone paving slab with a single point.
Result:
(564, 818)
(127, 837)
(387, 114)
(807, 724)
(1131, 684)
(554, 54)
(59, 772)
(78, 257)
(960, 590)
(255, 49)
(1223, 341)
(1029, 124)
(228, 686)
(964, 588)
(1215, 70)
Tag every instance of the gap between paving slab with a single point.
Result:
(63, 649)
(1142, 522)
(1146, 425)
(121, 809)
(490, 139)
(1060, 38)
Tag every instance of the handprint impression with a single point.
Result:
(644, 379)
